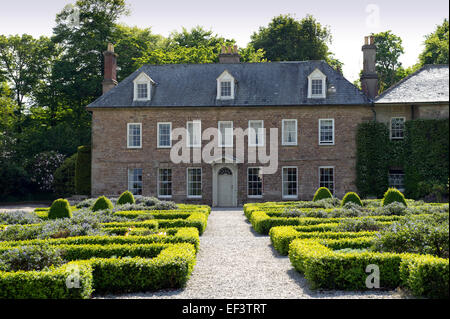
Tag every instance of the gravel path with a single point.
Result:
(235, 262)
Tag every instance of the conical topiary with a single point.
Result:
(126, 198)
(102, 203)
(352, 197)
(60, 209)
(393, 195)
(322, 193)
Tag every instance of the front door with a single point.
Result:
(225, 187)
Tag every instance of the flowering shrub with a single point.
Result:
(416, 234)
(357, 225)
(42, 167)
(34, 257)
(19, 217)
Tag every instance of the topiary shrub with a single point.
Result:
(60, 209)
(102, 203)
(126, 198)
(352, 197)
(322, 193)
(83, 171)
(393, 195)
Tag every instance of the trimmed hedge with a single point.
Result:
(60, 209)
(393, 195)
(83, 171)
(326, 269)
(64, 177)
(102, 203)
(322, 193)
(126, 198)
(352, 197)
(171, 268)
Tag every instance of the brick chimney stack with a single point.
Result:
(110, 74)
(369, 77)
(229, 55)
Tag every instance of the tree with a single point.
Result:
(23, 62)
(436, 46)
(287, 39)
(389, 68)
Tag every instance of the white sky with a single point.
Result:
(238, 19)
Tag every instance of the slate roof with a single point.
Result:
(427, 85)
(258, 84)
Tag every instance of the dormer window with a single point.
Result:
(316, 85)
(142, 87)
(225, 86)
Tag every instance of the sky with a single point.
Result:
(348, 20)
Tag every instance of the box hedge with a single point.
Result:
(83, 171)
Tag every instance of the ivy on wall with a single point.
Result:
(423, 155)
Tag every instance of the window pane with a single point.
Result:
(194, 133)
(142, 91)
(317, 87)
(225, 89)
(327, 178)
(290, 132)
(134, 135)
(165, 182)
(289, 181)
(135, 181)
(254, 182)
(226, 134)
(194, 182)
(397, 179)
(164, 134)
(256, 133)
(326, 132)
(397, 127)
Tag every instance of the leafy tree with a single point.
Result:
(288, 39)
(23, 61)
(436, 46)
(389, 68)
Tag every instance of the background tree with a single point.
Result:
(436, 46)
(389, 49)
(288, 39)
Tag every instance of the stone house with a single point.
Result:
(297, 118)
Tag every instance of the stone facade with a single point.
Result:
(111, 158)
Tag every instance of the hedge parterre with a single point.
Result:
(143, 250)
(332, 243)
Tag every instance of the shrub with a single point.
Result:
(87, 203)
(29, 258)
(357, 225)
(64, 177)
(42, 168)
(60, 209)
(351, 197)
(126, 198)
(83, 171)
(393, 195)
(322, 193)
(393, 209)
(102, 203)
(18, 217)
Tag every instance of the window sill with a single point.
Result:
(164, 197)
(256, 197)
(194, 197)
(326, 144)
(290, 197)
(289, 144)
(134, 147)
(164, 147)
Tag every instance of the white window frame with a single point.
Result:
(188, 137)
(333, 191)
(262, 139)
(128, 136)
(159, 181)
(326, 143)
(158, 136)
(142, 79)
(283, 182)
(317, 75)
(220, 134)
(262, 183)
(283, 142)
(225, 77)
(402, 189)
(187, 182)
(142, 182)
(390, 127)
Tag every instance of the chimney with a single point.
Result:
(369, 77)
(229, 55)
(110, 74)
